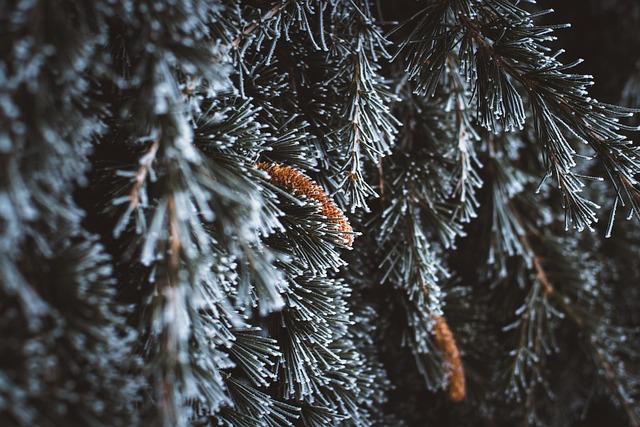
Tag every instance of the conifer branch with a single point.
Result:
(215, 289)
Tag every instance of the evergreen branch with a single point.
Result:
(500, 45)
(417, 334)
(368, 126)
(615, 380)
(469, 179)
(587, 323)
(223, 294)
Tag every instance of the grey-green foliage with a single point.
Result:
(504, 55)
(66, 351)
(71, 362)
(38, 132)
(151, 274)
(195, 203)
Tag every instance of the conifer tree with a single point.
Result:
(318, 213)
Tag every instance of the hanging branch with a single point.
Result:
(504, 53)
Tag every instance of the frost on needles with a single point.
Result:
(313, 213)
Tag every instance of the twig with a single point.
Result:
(249, 29)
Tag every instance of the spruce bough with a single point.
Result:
(312, 212)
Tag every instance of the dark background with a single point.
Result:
(606, 34)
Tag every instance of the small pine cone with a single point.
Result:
(296, 182)
(447, 344)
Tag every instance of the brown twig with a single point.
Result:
(141, 174)
(541, 274)
(175, 246)
(249, 29)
